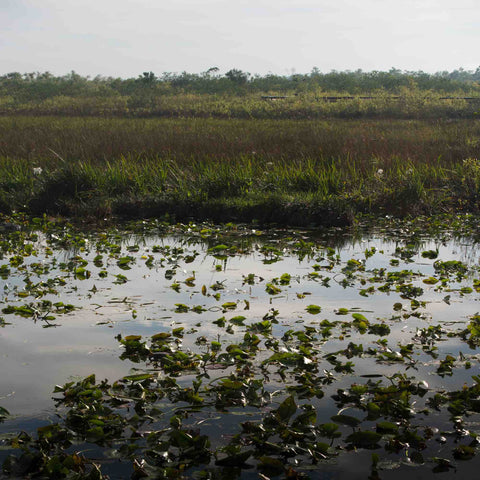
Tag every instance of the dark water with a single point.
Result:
(37, 354)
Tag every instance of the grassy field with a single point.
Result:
(299, 172)
(406, 104)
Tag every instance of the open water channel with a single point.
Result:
(232, 352)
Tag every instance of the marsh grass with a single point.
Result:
(181, 140)
(412, 103)
(295, 172)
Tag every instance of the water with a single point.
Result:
(152, 283)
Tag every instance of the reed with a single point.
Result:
(296, 172)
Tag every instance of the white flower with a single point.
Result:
(379, 173)
(37, 170)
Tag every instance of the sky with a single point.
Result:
(123, 38)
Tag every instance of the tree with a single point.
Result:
(237, 76)
(148, 78)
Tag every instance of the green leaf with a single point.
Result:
(160, 336)
(464, 452)
(387, 427)
(238, 320)
(178, 332)
(181, 308)
(236, 460)
(3, 413)
(138, 377)
(229, 306)
(313, 309)
(217, 248)
(124, 262)
(306, 418)
(286, 409)
(272, 289)
(82, 273)
(220, 322)
(120, 279)
(132, 338)
(364, 439)
(346, 420)
(329, 430)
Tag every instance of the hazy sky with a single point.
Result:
(126, 37)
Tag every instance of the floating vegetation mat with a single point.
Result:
(195, 351)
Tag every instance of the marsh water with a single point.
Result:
(374, 330)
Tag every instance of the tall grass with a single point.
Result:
(299, 172)
(41, 139)
(410, 104)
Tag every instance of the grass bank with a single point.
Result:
(281, 171)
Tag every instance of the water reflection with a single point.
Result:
(142, 296)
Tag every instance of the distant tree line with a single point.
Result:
(41, 86)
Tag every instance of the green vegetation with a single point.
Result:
(410, 104)
(240, 147)
(237, 94)
(284, 171)
(214, 389)
(31, 86)
(211, 388)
